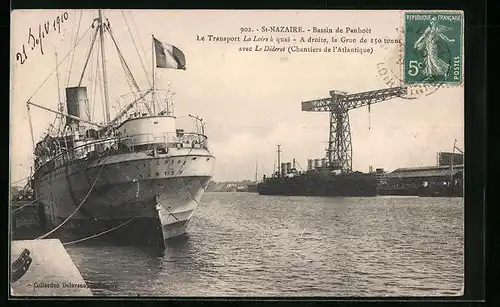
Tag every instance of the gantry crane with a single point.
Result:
(339, 152)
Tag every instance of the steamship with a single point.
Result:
(134, 179)
(320, 179)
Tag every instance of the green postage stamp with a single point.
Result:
(433, 47)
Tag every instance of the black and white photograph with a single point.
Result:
(236, 153)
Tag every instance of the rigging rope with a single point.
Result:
(94, 87)
(299, 165)
(89, 53)
(59, 101)
(73, 57)
(125, 67)
(142, 47)
(127, 77)
(59, 63)
(22, 179)
(77, 208)
(136, 49)
(70, 43)
(25, 205)
(31, 126)
(101, 90)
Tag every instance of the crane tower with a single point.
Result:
(339, 152)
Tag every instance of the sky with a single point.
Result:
(250, 101)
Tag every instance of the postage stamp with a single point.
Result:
(433, 48)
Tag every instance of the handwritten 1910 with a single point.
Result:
(43, 31)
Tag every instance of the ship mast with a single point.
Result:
(279, 158)
(256, 170)
(60, 105)
(104, 74)
(153, 96)
(452, 156)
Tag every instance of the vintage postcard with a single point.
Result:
(264, 153)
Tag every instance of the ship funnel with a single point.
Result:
(283, 169)
(77, 104)
(316, 163)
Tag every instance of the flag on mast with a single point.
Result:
(168, 56)
(455, 147)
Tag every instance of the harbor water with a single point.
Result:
(244, 244)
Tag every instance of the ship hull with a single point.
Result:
(352, 185)
(129, 198)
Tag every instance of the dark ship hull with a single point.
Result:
(321, 184)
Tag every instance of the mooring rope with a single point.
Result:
(25, 205)
(103, 232)
(169, 212)
(111, 229)
(77, 208)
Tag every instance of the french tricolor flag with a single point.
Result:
(168, 56)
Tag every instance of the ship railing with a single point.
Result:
(143, 107)
(121, 144)
(166, 140)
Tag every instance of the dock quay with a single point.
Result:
(25, 220)
(44, 268)
(39, 267)
(428, 181)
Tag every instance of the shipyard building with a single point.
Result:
(447, 177)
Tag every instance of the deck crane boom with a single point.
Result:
(339, 152)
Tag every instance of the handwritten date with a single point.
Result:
(37, 35)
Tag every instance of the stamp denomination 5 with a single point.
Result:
(433, 48)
